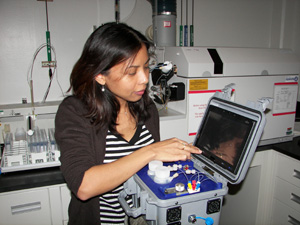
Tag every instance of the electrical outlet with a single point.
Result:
(48, 63)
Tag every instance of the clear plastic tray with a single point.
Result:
(37, 151)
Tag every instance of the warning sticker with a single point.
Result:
(167, 23)
(198, 101)
(197, 105)
(196, 85)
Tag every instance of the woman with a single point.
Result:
(109, 128)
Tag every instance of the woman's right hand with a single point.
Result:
(102, 178)
(172, 149)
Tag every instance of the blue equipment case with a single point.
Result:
(195, 194)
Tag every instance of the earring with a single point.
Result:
(102, 89)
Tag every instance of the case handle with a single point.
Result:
(134, 212)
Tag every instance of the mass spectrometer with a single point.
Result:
(256, 72)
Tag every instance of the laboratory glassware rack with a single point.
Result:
(30, 151)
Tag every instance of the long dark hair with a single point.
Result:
(107, 46)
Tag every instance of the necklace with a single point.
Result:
(125, 110)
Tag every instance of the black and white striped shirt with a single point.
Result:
(111, 212)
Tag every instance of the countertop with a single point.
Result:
(289, 148)
(14, 181)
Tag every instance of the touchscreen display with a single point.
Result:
(223, 137)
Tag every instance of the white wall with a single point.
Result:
(246, 23)
(238, 23)
(22, 31)
(23, 27)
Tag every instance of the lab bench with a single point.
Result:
(269, 194)
(20, 180)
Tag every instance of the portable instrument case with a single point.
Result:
(191, 192)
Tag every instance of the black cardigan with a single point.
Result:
(81, 148)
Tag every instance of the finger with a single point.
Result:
(182, 144)
(193, 149)
(189, 147)
(178, 157)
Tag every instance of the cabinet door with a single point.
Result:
(29, 207)
(288, 194)
(283, 214)
(288, 169)
(65, 198)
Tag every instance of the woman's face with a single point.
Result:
(128, 80)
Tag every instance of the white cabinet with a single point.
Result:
(36, 206)
(284, 215)
(269, 195)
(286, 205)
(65, 200)
(242, 201)
(25, 207)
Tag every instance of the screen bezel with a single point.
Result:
(232, 110)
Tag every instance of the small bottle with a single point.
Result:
(20, 134)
